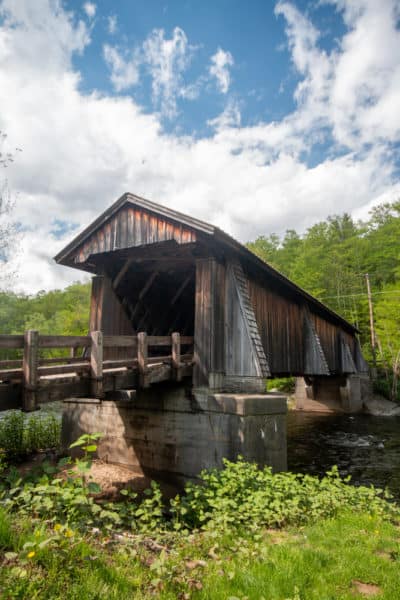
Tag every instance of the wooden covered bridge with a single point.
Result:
(176, 299)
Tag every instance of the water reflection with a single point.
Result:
(365, 447)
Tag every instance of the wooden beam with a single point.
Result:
(143, 292)
(29, 370)
(11, 341)
(181, 289)
(176, 356)
(63, 341)
(96, 364)
(143, 359)
(118, 278)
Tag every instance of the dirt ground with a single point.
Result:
(112, 478)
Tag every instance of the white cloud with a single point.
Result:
(166, 60)
(354, 89)
(221, 62)
(112, 21)
(90, 9)
(124, 72)
(82, 151)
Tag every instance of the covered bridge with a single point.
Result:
(159, 271)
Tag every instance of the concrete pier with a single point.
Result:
(171, 434)
(340, 394)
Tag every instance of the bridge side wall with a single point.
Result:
(228, 352)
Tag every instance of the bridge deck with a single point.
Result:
(36, 378)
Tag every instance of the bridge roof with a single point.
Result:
(207, 232)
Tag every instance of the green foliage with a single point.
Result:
(241, 496)
(22, 434)
(384, 385)
(216, 543)
(12, 433)
(282, 384)
(58, 312)
(66, 495)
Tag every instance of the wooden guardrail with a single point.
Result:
(32, 377)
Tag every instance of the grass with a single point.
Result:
(321, 561)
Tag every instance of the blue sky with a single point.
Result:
(263, 79)
(258, 117)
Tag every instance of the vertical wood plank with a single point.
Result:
(176, 356)
(96, 364)
(142, 359)
(209, 334)
(29, 369)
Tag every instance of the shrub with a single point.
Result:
(239, 496)
(242, 495)
(12, 433)
(41, 433)
(21, 434)
(282, 384)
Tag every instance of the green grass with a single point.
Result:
(319, 561)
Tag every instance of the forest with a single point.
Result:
(330, 261)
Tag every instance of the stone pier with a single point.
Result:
(341, 394)
(171, 434)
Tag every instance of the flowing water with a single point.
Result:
(365, 447)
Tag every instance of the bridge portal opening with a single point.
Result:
(159, 299)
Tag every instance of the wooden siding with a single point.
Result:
(244, 352)
(131, 227)
(108, 315)
(209, 326)
(333, 341)
(280, 323)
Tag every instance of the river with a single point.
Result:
(365, 447)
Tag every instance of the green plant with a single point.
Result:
(23, 434)
(12, 433)
(282, 384)
(242, 495)
(41, 433)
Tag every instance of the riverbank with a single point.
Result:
(348, 556)
(243, 533)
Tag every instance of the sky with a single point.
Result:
(256, 116)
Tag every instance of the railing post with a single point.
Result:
(176, 356)
(29, 370)
(96, 364)
(142, 359)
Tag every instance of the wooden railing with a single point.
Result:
(31, 376)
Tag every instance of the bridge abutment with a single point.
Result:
(338, 394)
(170, 433)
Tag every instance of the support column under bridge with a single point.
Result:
(339, 394)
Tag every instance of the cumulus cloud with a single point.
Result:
(355, 89)
(90, 9)
(81, 151)
(221, 62)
